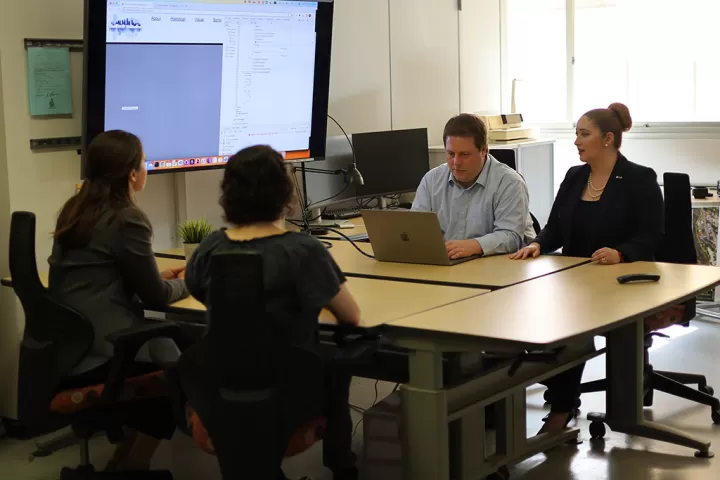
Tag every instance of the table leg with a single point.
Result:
(468, 450)
(425, 429)
(625, 392)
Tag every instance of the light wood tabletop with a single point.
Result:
(489, 272)
(578, 302)
(380, 301)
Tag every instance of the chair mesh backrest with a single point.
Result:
(250, 386)
(245, 345)
(55, 338)
(678, 244)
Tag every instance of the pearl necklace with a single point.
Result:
(591, 188)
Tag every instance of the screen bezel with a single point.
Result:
(95, 41)
(361, 192)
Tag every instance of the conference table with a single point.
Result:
(380, 302)
(487, 273)
(564, 309)
(538, 320)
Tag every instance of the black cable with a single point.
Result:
(366, 202)
(329, 198)
(351, 241)
(371, 406)
(301, 200)
(346, 137)
(352, 149)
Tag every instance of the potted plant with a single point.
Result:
(192, 232)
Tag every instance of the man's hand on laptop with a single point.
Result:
(463, 248)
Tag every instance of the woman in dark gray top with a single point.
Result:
(300, 278)
(102, 265)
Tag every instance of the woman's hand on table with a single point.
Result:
(607, 256)
(173, 273)
(531, 251)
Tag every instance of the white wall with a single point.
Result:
(425, 64)
(480, 75)
(360, 67)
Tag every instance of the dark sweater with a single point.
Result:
(300, 278)
(109, 279)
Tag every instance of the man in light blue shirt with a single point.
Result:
(482, 204)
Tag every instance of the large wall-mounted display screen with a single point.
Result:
(199, 80)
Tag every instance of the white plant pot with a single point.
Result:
(189, 249)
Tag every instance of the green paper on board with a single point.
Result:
(49, 81)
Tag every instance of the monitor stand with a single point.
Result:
(317, 213)
(327, 223)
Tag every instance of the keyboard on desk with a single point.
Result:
(360, 237)
(342, 214)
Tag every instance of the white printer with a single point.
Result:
(506, 128)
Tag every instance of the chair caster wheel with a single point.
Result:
(707, 389)
(597, 430)
(502, 474)
(707, 454)
(716, 416)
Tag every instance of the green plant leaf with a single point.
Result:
(194, 231)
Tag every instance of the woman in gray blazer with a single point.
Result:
(102, 265)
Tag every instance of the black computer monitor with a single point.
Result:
(198, 80)
(391, 162)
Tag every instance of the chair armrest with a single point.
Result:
(126, 345)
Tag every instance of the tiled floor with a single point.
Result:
(618, 457)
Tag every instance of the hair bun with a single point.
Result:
(623, 114)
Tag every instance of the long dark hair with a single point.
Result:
(111, 157)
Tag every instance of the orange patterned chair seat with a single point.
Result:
(75, 400)
(664, 319)
(304, 437)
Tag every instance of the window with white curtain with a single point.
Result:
(660, 57)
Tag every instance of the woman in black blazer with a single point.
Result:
(609, 210)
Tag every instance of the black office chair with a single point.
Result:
(677, 246)
(248, 385)
(55, 340)
(506, 156)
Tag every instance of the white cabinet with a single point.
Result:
(535, 162)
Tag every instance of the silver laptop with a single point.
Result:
(404, 236)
